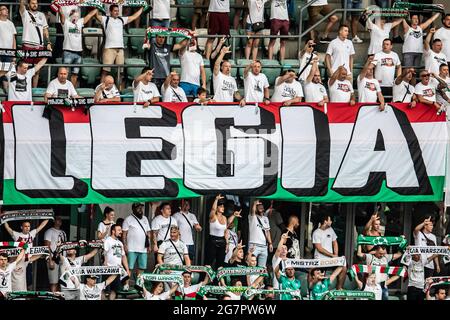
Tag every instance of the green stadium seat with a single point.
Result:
(52, 33)
(273, 72)
(127, 95)
(175, 62)
(19, 36)
(133, 72)
(242, 63)
(90, 74)
(291, 64)
(136, 42)
(237, 41)
(86, 92)
(303, 277)
(38, 94)
(185, 14)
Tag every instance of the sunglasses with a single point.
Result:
(425, 76)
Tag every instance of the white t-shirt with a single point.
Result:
(114, 32)
(444, 35)
(318, 3)
(368, 89)
(420, 240)
(287, 91)
(170, 255)
(20, 85)
(161, 224)
(162, 296)
(254, 87)
(5, 278)
(435, 83)
(144, 92)
(256, 11)
(19, 276)
(136, 236)
(186, 230)
(113, 251)
(385, 67)
(219, 6)
(60, 90)
(340, 91)
(190, 67)
(66, 264)
(94, 293)
(72, 35)
(102, 227)
(173, 94)
(161, 9)
(413, 40)
(55, 236)
(377, 35)
(377, 290)
(314, 92)
(30, 34)
(400, 90)
(7, 32)
(28, 238)
(340, 52)
(303, 61)
(224, 87)
(325, 238)
(109, 94)
(278, 10)
(433, 60)
(257, 229)
(426, 91)
(416, 272)
(371, 260)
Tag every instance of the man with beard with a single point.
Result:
(444, 34)
(293, 241)
(259, 233)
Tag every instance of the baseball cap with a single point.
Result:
(137, 204)
(92, 276)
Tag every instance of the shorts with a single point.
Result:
(53, 275)
(218, 23)
(160, 23)
(281, 26)
(198, 3)
(32, 47)
(190, 89)
(141, 258)
(71, 57)
(353, 4)
(314, 11)
(248, 28)
(113, 56)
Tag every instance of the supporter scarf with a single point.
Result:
(32, 214)
(169, 32)
(35, 294)
(348, 294)
(25, 54)
(385, 241)
(220, 289)
(160, 278)
(79, 244)
(131, 3)
(14, 244)
(315, 263)
(33, 251)
(251, 292)
(418, 6)
(241, 271)
(56, 4)
(439, 250)
(362, 268)
(94, 270)
(72, 103)
(436, 281)
(173, 267)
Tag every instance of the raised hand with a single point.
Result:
(237, 214)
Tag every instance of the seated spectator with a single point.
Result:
(235, 295)
(145, 90)
(287, 89)
(403, 90)
(340, 52)
(368, 87)
(306, 57)
(287, 281)
(157, 291)
(192, 69)
(341, 89)
(426, 92)
(256, 85)
(254, 280)
(92, 290)
(433, 54)
(218, 22)
(170, 90)
(387, 67)
(319, 284)
(379, 31)
(279, 23)
(60, 87)
(225, 86)
(254, 25)
(314, 90)
(173, 250)
(370, 285)
(107, 91)
(323, 8)
(202, 97)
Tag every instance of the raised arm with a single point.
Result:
(427, 23)
(328, 63)
(8, 229)
(360, 254)
(397, 22)
(90, 255)
(135, 15)
(168, 79)
(41, 226)
(22, 6)
(218, 48)
(369, 223)
(363, 72)
(421, 225)
(212, 213)
(110, 279)
(405, 26)
(334, 76)
(314, 68)
(40, 64)
(98, 16)
(20, 256)
(426, 43)
(62, 17)
(181, 45)
(89, 16)
(247, 69)
(141, 77)
(223, 52)
(236, 214)
(282, 79)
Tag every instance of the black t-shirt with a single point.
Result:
(243, 279)
(293, 245)
(159, 59)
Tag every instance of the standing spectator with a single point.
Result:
(173, 250)
(319, 284)
(19, 275)
(60, 87)
(416, 275)
(254, 25)
(136, 238)
(114, 253)
(144, 90)
(279, 257)
(192, 69)
(232, 244)
(354, 4)
(323, 8)
(104, 227)
(171, 91)
(189, 291)
(218, 234)
(423, 236)
(340, 52)
(256, 85)
(259, 233)
(218, 22)
(287, 281)
(287, 89)
(306, 57)
(293, 240)
(35, 29)
(113, 25)
(426, 92)
(52, 238)
(160, 15)
(107, 91)
(19, 80)
(444, 34)
(7, 38)
(387, 67)
(279, 23)
(413, 44)
(225, 86)
(404, 90)
(188, 223)
(372, 229)
(73, 42)
(341, 89)
(433, 56)
(314, 90)
(379, 31)
(6, 270)
(276, 224)
(161, 225)
(368, 87)
(199, 14)
(370, 285)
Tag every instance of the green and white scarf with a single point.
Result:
(348, 294)
(173, 267)
(31, 214)
(251, 292)
(220, 289)
(362, 268)
(241, 271)
(155, 277)
(169, 32)
(14, 244)
(382, 241)
(431, 250)
(436, 281)
(33, 251)
(35, 294)
(315, 263)
(56, 4)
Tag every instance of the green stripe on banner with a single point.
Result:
(12, 196)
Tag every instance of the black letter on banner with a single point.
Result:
(134, 158)
(2, 155)
(223, 154)
(322, 130)
(58, 163)
(375, 180)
